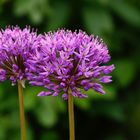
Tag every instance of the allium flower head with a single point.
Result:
(69, 61)
(15, 45)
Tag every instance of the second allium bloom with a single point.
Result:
(15, 46)
(69, 61)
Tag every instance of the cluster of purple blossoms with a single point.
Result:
(67, 60)
(15, 47)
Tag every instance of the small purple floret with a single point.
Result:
(106, 79)
(44, 93)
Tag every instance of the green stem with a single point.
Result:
(21, 107)
(71, 116)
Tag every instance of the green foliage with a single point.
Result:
(113, 116)
(47, 112)
(34, 9)
(126, 11)
(58, 17)
(97, 20)
(125, 72)
(49, 136)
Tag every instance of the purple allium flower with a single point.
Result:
(69, 60)
(15, 45)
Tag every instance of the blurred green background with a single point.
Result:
(113, 116)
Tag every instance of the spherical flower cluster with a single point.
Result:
(15, 46)
(68, 60)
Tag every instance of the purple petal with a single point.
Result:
(105, 79)
(65, 96)
(55, 94)
(44, 93)
(74, 94)
(98, 87)
(108, 69)
(15, 68)
(80, 95)
(35, 83)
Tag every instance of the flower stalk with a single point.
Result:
(71, 116)
(22, 114)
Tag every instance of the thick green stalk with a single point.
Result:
(71, 116)
(22, 115)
